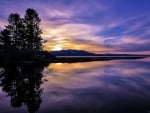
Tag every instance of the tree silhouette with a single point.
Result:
(32, 30)
(5, 39)
(15, 27)
(22, 84)
(22, 33)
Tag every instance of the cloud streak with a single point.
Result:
(94, 25)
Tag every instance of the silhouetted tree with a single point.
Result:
(5, 39)
(22, 33)
(22, 84)
(15, 28)
(32, 30)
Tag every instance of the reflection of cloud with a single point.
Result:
(82, 74)
(61, 76)
(100, 83)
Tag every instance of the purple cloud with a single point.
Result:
(105, 23)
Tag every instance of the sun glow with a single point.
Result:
(57, 48)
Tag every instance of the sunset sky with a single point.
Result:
(100, 26)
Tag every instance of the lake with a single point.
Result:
(119, 86)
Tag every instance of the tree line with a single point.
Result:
(22, 33)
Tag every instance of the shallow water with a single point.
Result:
(121, 86)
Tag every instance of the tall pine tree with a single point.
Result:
(15, 28)
(22, 33)
(5, 39)
(32, 30)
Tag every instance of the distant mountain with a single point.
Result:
(71, 52)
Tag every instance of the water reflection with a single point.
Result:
(22, 84)
(92, 87)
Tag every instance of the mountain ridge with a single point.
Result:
(72, 52)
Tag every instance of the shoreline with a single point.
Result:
(70, 59)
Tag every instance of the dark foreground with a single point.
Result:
(68, 59)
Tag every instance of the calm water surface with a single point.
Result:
(121, 86)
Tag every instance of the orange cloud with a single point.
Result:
(73, 36)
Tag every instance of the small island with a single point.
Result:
(21, 42)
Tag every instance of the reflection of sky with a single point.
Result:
(77, 73)
(118, 85)
(94, 25)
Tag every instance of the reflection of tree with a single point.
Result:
(23, 86)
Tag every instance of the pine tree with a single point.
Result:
(32, 30)
(22, 33)
(5, 39)
(15, 28)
